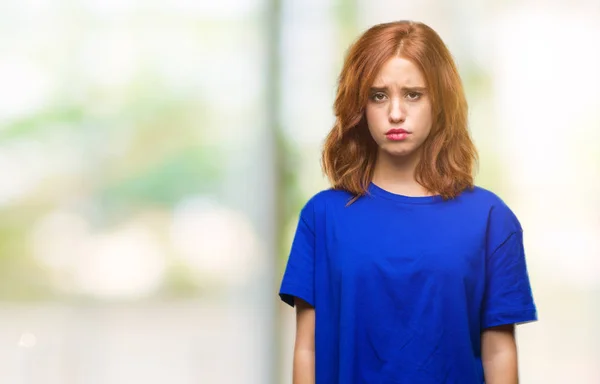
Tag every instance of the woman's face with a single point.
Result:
(399, 108)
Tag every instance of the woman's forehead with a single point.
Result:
(399, 71)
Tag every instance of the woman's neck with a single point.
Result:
(397, 175)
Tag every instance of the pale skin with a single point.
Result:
(399, 100)
(304, 347)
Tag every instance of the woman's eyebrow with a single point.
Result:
(405, 89)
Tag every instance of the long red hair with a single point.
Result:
(449, 155)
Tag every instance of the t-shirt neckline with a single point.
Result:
(380, 192)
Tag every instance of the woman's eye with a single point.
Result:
(378, 96)
(413, 95)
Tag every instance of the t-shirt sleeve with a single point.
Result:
(298, 278)
(508, 297)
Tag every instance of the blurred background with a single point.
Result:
(154, 156)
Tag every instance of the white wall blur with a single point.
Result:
(136, 193)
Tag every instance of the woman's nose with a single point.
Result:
(397, 111)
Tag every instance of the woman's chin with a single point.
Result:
(396, 152)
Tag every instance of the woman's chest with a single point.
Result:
(404, 246)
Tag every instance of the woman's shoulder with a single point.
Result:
(328, 197)
(323, 200)
(480, 195)
(496, 207)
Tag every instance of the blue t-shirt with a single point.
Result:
(403, 286)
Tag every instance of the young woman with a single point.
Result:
(404, 272)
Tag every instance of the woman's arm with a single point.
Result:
(304, 348)
(499, 355)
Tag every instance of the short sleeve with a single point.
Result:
(508, 297)
(298, 278)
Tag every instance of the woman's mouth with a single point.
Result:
(397, 134)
